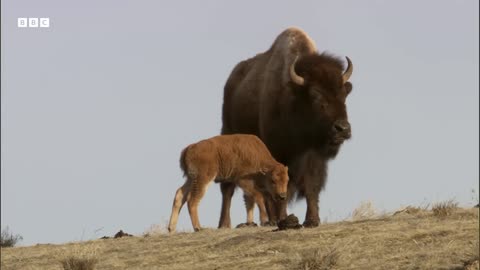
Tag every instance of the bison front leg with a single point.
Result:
(312, 191)
(312, 218)
(277, 210)
(227, 193)
(271, 211)
(311, 175)
(282, 209)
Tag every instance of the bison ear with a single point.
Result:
(348, 87)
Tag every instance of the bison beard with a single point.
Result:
(293, 99)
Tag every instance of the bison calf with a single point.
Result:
(239, 159)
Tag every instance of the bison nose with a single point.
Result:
(342, 126)
(282, 196)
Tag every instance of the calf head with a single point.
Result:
(277, 182)
(321, 88)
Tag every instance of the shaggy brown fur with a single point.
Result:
(240, 159)
(296, 106)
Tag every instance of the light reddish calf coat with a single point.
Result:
(240, 159)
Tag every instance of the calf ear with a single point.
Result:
(348, 87)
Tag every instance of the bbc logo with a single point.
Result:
(33, 22)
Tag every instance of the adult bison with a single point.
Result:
(293, 99)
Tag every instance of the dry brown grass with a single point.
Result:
(473, 258)
(156, 229)
(82, 257)
(74, 263)
(410, 240)
(364, 211)
(317, 260)
(443, 209)
(412, 210)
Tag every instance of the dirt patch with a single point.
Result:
(472, 265)
(246, 225)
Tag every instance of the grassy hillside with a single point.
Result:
(446, 238)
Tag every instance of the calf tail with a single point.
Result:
(183, 163)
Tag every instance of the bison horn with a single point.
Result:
(346, 75)
(295, 78)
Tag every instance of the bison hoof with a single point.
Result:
(311, 223)
(269, 224)
(197, 229)
(224, 226)
(248, 224)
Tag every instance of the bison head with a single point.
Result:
(278, 182)
(321, 88)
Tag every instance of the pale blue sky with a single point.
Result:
(96, 108)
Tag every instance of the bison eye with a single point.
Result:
(318, 99)
(321, 103)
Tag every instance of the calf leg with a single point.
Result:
(198, 189)
(252, 195)
(180, 197)
(259, 200)
(249, 205)
(227, 193)
(250, 201)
